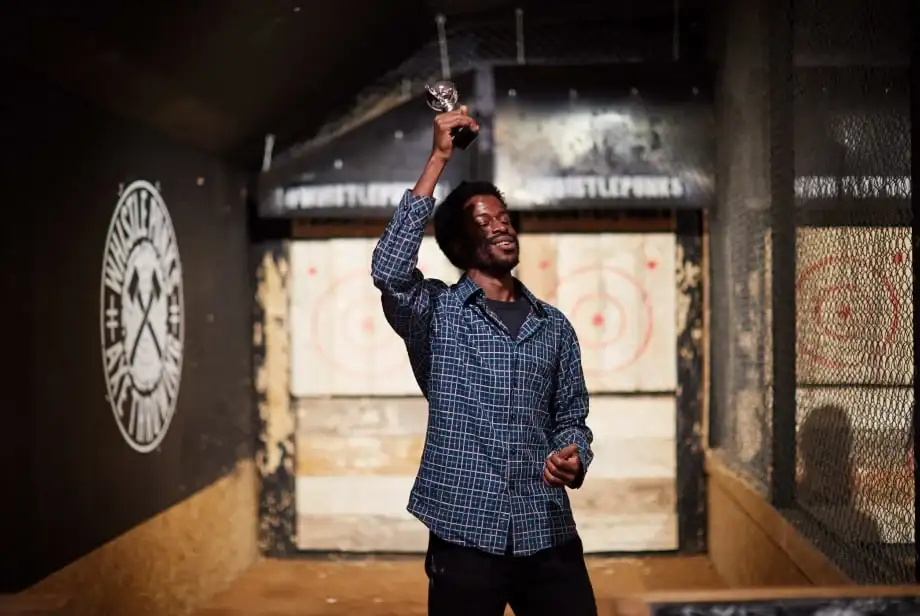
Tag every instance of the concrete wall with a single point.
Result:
(122, 515)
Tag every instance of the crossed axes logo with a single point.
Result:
(134, 292)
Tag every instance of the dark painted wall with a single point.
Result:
(69, 480)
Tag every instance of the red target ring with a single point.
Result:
(599, 319)
(367, 328)
(837, 329)
(614, 302)
(832, 308)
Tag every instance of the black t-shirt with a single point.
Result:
(512, 314)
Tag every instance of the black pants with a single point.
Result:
(468, 582)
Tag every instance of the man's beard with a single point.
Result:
(486, 261)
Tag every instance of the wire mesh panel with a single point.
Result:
(812, 290)
(854, 317)
(741, 331)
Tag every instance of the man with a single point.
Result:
(502, 374)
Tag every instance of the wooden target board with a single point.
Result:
(361, 421)
(854, 306)
(618, 291)
(341, 344)
(357, 460)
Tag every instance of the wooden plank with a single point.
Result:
(628, 533)
(602, 497)
(358, 455)
(626, 514)
(613, 533)
(275, 444)
(689, 420)
(613, 512)
(751, 544)
(389, 495)
(854, 304)
(309, 277)
(378, 416)
(341, 343)
(369, 533)
(354, 496)
(357, 460)
(618, 291)
(633, 436)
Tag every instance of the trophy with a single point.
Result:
(442, 97)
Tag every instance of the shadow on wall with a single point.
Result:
(826, 488)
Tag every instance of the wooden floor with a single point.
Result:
(390, 587)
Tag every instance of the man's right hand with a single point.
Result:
(443, 145)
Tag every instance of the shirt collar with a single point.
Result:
(470, 291)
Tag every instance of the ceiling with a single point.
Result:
(220, 79)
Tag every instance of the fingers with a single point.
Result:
(568, 451)
(452, 119)
(559, 470)
(552, 480)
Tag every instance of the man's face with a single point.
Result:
(493, 238)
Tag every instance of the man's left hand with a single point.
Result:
(563, 467)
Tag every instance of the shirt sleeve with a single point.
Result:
(406, 295)
(570, 403)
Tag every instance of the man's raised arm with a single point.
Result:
(405, 292)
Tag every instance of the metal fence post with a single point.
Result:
(783, 250)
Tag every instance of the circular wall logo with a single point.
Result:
(142, 320)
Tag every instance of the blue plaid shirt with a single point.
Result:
(498, 406)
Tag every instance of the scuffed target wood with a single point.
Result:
(628, 501)
(618, 291)
(357, 513)
(341, 344)
(854, 306)
(357, 460)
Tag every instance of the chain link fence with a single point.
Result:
(812, 291)
(577, 34)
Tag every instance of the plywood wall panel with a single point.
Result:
(357, 513)
(628, 501)
(618, 291)
(628, 533)
(633, 437)
(357, 460)
(338, 533)
(341, 344)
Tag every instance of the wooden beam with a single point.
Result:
(751, 544)
(691, 480)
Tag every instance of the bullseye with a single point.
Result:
(838, 312)
(606, 316)
(365, 332)
(602, 320)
